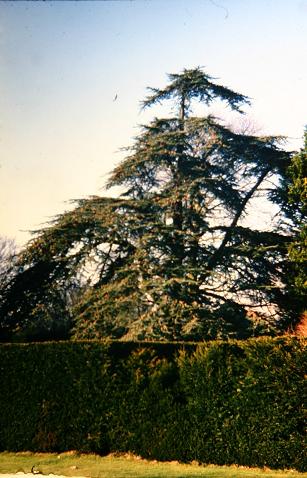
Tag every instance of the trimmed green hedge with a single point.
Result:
(218, 402)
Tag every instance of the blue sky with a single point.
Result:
(62, 63)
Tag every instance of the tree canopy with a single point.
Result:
(172, 257)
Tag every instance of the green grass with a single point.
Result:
(127, 466)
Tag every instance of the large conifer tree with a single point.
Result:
(171, 257)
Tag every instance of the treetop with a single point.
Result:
(191, 84)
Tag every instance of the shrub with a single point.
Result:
(218, 402)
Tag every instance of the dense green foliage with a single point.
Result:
(220, 402)
(294, 204)
(173, 257)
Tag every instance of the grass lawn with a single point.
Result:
(73, 464)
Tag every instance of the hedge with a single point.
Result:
(219, 402)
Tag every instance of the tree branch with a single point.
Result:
(218, 253)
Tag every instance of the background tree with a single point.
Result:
(8, 271)
(33, 306)
(8, 252)
(292, 196)
(171, 258)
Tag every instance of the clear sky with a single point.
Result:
(62, 63)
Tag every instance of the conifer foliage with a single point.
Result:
(293, 199)
(171, 258)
